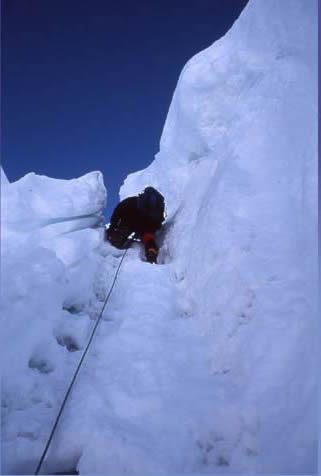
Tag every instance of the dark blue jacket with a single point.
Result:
(127, 214)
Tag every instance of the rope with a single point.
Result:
(78, 368)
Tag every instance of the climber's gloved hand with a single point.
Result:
(115, 237)
(151, 255)
(111, 233)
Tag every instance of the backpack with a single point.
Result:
(151, 204)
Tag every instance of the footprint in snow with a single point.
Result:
(69, 342)
(43, 365)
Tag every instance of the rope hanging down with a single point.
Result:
(78, 368)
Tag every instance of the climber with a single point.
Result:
(142, 215)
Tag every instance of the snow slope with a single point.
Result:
(207, 362)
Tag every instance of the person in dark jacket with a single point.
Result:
(142, 215)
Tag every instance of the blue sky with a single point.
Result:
(86, 85)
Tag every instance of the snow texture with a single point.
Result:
(205, 363)
(3, 177)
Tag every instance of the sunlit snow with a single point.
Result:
(206, 362)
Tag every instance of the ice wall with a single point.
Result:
(238, 167)
(49, 239)
(206, 364)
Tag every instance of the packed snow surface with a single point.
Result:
(206, 362)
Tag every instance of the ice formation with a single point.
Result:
(207, 362)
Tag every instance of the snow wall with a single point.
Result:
(50, 233)
(238, 167)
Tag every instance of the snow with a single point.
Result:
(207, 362)
(49, 261)
(3, 177)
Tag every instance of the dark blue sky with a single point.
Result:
(86, 84)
